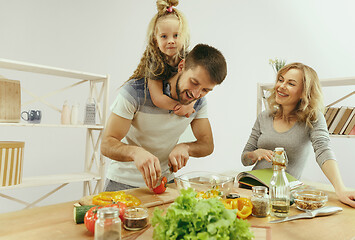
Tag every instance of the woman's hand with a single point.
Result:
(347, 197)
(260, 154)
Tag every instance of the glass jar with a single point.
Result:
(261, 201)
(279, 185)
(135, 218)
(108, 224)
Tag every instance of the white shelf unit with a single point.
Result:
(94, 164)
(262, 88)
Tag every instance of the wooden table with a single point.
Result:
(56, 222)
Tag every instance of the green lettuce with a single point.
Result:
(198, 219)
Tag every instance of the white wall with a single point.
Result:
(108, 37)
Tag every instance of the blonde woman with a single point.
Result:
(168, 39)
(295, 121)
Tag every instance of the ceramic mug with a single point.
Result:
(32, 116)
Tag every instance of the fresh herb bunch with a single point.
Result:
(192, 218)
(277, 64)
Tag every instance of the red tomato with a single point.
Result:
(162, 187)
(90, 219)
(120, 206)
(91, 215)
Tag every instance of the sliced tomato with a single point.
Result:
(162, 187)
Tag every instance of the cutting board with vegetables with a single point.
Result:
(147, 198)
(260, 233)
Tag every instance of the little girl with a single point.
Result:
(168, 39)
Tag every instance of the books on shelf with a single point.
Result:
(338, 119)
(343, 115)
(262, 177)
(342, 131)
(352, 132)
(327, 112)
(333, 112)
(350, 128)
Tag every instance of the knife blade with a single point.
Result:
(311, 214)
(165, 173)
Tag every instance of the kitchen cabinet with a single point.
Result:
(97, 88)
(262, 93)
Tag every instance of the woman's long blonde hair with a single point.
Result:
(153, 61)
(311, 102)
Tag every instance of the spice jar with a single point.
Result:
(108, 224)
(261, 201)
(135, 218)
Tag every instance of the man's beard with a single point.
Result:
(178, 93)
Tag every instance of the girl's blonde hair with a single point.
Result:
(153, 61)
(311, 102)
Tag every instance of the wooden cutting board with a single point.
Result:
(148, 198)
(260, 233)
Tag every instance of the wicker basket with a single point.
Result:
(11, 163)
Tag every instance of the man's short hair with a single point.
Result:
(209, 58)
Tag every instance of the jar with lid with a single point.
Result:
(261, 201)
(108, 224)
(279, 185)
(135, 218)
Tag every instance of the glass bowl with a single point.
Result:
(135, 218)
(308, 199)
(205, 181)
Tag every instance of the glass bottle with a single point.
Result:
(74, 114)
(261, 201)
(108, 224)
(279, 185)
(65, 115)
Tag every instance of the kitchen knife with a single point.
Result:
(165, 173)
(311, 214)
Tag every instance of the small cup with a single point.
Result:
(135, 218)
(32, 116)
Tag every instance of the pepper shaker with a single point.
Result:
(261, 201)
(108, 224)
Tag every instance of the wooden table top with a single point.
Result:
(56, 222)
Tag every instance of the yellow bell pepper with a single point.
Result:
(106, 198)
(243, 205)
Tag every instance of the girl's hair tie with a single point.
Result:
(169, 9)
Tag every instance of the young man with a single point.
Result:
(141, 138)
